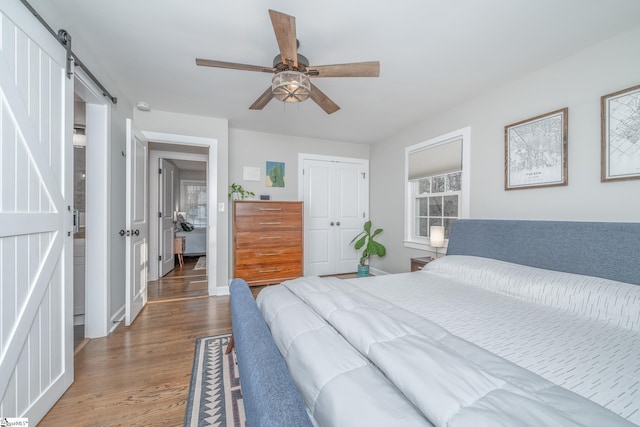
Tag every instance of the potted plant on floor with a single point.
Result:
(366, 240)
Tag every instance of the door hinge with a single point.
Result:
(302, 171)
(364, 174)
(160, 171)
(159, 257)
(159, 214)
(363, 215)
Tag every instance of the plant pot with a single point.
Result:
(363, 270)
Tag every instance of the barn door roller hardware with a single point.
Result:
(64, 38)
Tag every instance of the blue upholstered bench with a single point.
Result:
(270, 397)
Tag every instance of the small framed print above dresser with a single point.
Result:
(267, 241)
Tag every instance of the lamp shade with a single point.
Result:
(290, 86)
(436, 236)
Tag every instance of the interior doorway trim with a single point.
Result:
(98, 244)
(154, 161)
(212, 203)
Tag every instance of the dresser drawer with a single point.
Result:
(268, 274)
(265, 216)
(266, 208)
(267, 256)
(268, 239)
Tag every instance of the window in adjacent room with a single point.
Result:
(437, 192)
(194, 202)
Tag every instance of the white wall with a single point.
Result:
(207, 127)
(254, 149)
(577, 82)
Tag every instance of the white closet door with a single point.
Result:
(36, 246)
(336, 206)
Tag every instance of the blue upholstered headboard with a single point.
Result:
(602, 249)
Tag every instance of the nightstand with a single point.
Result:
(418, 263)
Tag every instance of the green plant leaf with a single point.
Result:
(357, 237)
(360, 243)
(367, 227)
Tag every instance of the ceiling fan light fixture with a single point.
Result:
(291, 86)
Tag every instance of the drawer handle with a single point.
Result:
(270, 271)
(271, 223)
(270, 237)
(272, 254)
(270, 209)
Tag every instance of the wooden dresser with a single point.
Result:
(267, 241)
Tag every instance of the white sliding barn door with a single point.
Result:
(167, 206)
(137, 246)
(36, 299)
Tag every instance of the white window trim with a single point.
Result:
(465, 135)
(185, 182)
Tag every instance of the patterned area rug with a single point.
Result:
(201, 264)
(215, 398)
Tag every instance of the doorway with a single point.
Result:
(91, 136)
(335, 191)
(178, 193)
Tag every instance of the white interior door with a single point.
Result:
(335, 195)
(137, 247)
(36, 246)
(167, 206)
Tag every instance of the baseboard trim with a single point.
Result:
(377, 271)
(116, 319)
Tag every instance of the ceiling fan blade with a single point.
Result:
(263, 100)
(323, 100)
(285, 28)
(355, 69)
(233, 65)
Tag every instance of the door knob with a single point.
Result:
(332, 223)
(338, 223)
(122, 233)
(136, 233)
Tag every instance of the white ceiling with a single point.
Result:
(433, 54)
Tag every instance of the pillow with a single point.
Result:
(187, 226)
(615, 303)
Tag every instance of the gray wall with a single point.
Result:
(576, 82)
(254, 149)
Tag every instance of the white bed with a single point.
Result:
(467, 341)
(523, 323)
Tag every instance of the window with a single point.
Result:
(194, 202)
(436, 201)
(437, 186)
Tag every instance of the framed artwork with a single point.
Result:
(620, 122)
(275, 174)
(536, 151)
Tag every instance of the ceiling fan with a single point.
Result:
(292, 71)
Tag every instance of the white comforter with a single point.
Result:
(358, 360)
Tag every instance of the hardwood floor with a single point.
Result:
(139, 375)
(181, 282)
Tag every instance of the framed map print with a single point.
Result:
(620, 122)
(536, 151)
